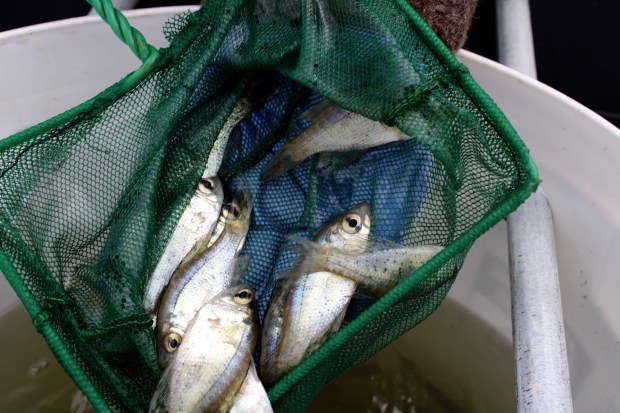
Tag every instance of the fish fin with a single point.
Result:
(310, 254)
(241, 266)
(160, 396)
(200, 245)
(284, 274)
(314, 111)
(280, 163)
(302, 245)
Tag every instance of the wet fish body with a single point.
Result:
(255, 93)
(203, 273)
(198, 220)
(309, 315)
(213, 360)
(333, 129)
(306, 308)
(251, 397)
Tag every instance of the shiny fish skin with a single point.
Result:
(211, 363)
(198, 220)
(204, 272)
(216, 155)
(378, 269)
(251, 397)
(312, 303)
(306, 309)
(333, 129)
(254, 94)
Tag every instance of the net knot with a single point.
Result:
(52, 308)
(458, 71)
(40, 320)
(409, 101)
(129, 322)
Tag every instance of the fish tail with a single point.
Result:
(280, 163)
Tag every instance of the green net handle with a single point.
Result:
(121, 27)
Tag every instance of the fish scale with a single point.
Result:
(251, 397)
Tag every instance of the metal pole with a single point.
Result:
(543, 384)
(514, 36)
(541, 364)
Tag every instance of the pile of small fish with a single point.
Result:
(206, 324)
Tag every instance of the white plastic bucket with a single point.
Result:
(49, 68)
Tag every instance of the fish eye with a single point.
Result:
(352, 223)
(172, 342)
(206, 185)
(244, 296)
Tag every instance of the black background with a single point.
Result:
(576, 42)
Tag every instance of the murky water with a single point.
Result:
(452, 362)
(32, 381)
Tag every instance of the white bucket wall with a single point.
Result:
(50, 68)
(578, 155)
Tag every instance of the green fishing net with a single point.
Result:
(89, 199)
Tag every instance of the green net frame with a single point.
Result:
(76, 344)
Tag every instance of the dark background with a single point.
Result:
(576, 42)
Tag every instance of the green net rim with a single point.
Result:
(499, 121)
(152, 60)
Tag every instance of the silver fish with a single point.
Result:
(333, 129)
(198, 220)
(202, 274)
(306, 308)
(256, 92)
(251, 397)
(378, 269)
(211, 363)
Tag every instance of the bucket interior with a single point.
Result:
(53, 70)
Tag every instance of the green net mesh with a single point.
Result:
(89, 199)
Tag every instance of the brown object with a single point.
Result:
(450, 19)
